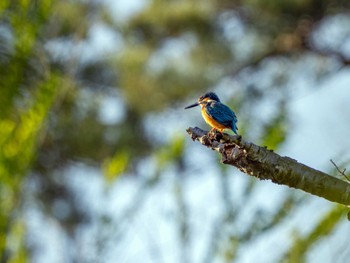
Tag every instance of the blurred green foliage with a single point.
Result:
(115, 166)
(28, 91)
(276, 130)
(324, 227)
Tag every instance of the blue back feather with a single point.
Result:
(222, 114)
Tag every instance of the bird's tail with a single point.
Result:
(234, 127)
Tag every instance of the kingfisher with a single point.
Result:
(215, 113)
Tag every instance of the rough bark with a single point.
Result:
(266, 165)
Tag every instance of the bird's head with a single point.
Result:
(205, 99)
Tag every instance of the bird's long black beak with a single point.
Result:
(192, 105)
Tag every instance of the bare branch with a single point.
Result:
(264, 164)
(341, 172)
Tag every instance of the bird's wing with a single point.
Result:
(221, 113)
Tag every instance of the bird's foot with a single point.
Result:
(211, 133)
(215, 134)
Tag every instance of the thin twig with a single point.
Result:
(341, 172)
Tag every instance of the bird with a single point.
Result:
(216, 114)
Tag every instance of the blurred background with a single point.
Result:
(95, 162)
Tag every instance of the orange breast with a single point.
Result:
(213, 123)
